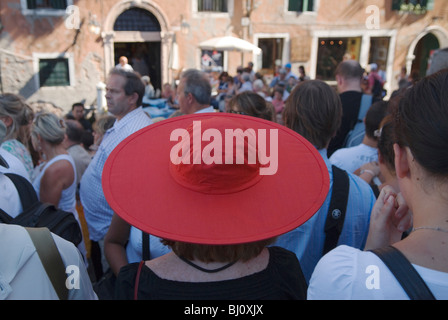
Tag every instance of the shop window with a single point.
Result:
(212, 60)
(212, 6)
(379, 51)
(300, 5)
(272, 49)
(54, 72)
(331, 52)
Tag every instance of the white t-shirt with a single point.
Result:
(126, 67)
(134, 246)
(346, 273)
(22, 276)
(9, 197)
(15, 165)
(351, 159)
(206, 110)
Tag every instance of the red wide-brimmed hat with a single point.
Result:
(215, 178)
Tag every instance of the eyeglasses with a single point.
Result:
(238, 112)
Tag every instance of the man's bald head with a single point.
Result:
(349, 74)
(350, 70)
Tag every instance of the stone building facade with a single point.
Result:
(58, 51)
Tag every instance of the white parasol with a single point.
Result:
(229, 43)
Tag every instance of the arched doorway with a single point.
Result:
(144, 55)
(420, 49)
(136, 28)
(422, 53)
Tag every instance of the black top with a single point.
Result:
(351, 102)
(86, 124)
(281, 280)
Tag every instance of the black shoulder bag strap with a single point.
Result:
(25, 189)
(145, 247)
(145, 257)
(405, 273)
(336, 211)
(26, 192)
(51, 259)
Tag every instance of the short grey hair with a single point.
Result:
(258, 84)
(245, 76)
(2, 131)
(198, 84)
(439, 61)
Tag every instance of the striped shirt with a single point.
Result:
(97, 211)
(307, 241)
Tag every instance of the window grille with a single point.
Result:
(47, 4)
(301, 5)
(212, 5)
(54, 72)
(136, 19)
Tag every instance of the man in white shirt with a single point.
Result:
(124, 94)
(246, 83)
(194, 92)
(351, 159)
(123, 64)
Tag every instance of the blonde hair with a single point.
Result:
(15, 107)
(103, 123)
(49, 127)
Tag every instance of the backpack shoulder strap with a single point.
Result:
(366, 102)
(4, 217)
(3, 162)
(50, 258)
(25, 189)
(336, 211)
(405, 273)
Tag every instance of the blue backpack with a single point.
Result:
(356, 134)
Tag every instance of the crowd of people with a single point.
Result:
(275, 91)
(158, 230)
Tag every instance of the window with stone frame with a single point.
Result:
(54, 72)
(300, 5)
(212, 6)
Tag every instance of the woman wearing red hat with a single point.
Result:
(218, 189)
